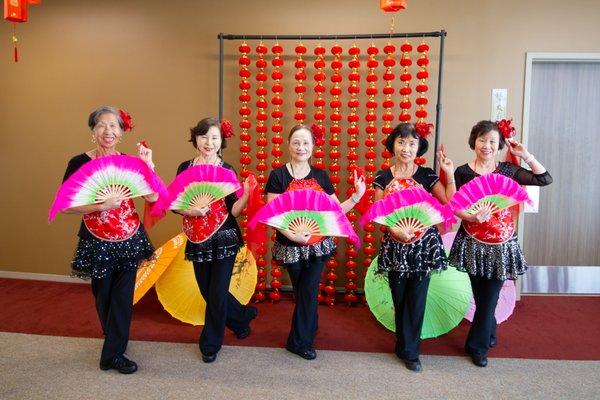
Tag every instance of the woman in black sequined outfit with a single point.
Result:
(410, 257)
(112, 243)
(214, 256)
(486, 244)
(304, 262)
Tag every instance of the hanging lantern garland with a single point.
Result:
(405, 77)
(261, 155)
(423, 128)
(353, 143)
(319, 103)
(300, 88)
(370, 142)
(388, 104)
(276, 151)
(245, 124)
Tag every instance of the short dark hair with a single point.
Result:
(95, 115)
(405, 130)
(483, 127)
(202, 128)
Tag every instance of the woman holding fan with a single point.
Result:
(486, 245)
(214, 239)
(112, 241)
(304, 261)
(407, 256)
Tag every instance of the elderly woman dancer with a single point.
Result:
(213, 258)
(486, 244)
(112, 242)
(409, 258)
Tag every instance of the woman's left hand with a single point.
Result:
(145, 154)
(517, 149)
(359, 185)
(446, 164)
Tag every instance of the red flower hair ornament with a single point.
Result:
(226, 129)
(505, 128)
(127, 120)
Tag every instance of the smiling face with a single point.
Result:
(405, 149)
(107, 131)
(487, 145)
(209, 145)
(301, 145)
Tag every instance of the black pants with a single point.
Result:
(409, 296)
(114, 304)
(483, 327)
(305, 277)
(222, 308)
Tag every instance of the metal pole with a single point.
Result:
(221, 56)
(438, 105)
(331, 37)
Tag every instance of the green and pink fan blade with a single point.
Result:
(103, 178)
(306, 210)
(197, 187)
(411, 208)
(494, 192)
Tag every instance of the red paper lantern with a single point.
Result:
(393, 5)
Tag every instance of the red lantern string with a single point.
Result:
(319, 103)
(405, 77)
(300, 88)
(423, 128)
(334, 156)
(353, 143)
(276, 151)
(261, 155)
(388, 104)
(245, 124)
(370, 142)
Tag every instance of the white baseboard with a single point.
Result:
(40, 277)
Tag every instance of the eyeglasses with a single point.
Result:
(102, 126)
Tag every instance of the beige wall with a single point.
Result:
(159, 60)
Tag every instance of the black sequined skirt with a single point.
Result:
(498, 261)
(94, 257)
(224, 243)
(285, 255)
(418, 259)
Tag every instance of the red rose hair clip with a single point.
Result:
(505, 129)
(226, 129)
(318, 134)
(127, 120)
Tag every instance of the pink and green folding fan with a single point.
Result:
(412, 208)
(105, 177)
(493, 192)
(306, 211)
(199, 186)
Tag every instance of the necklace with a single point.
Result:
(483, 168)
(294, 173)
(396, 174)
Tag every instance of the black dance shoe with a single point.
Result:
(121, 364)
(493, 342)
(413, 365)
(479, 360)
(208, 358)
(307, 354)
(243, 334)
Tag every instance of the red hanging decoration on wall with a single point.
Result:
(423, 128)
(300, 88)
(353, 144)
(276, 151)
(393, 5)
(245, 124)
(405, 77)
(319, 103)
(15, 11)
(261, 155)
